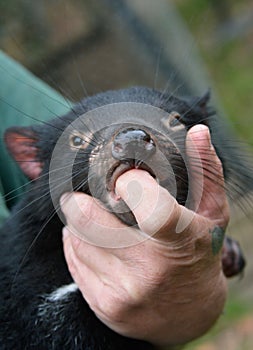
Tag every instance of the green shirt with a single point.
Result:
(24, 100)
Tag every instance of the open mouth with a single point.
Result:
(120, 168)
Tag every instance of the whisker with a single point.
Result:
(157, 67)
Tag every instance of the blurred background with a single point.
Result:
(81, 47)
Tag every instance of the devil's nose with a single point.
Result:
(133, 143)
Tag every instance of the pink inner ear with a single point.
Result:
(24, 152)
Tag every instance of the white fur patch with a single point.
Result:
(62, 292)
(54, 303)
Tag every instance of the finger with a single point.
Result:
(96, 270)
(160, 216)
(85, 210)
(90, 221)
(84, 276)
(207, 180)
(96, 258)
(154, 208)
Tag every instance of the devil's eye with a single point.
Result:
(77, 141)
(172, 120)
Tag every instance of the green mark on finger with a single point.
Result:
(218, 234)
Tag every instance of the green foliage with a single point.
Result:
(229, 63)
(232, 71)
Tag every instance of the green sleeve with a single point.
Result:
(4, 212)
(24, 100)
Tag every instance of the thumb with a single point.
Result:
(158, 214)
(207, 180)
(153, 206)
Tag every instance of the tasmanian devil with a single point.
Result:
(86, 150)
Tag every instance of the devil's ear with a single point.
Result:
(21, 143)
(203, 100)
(198, 110)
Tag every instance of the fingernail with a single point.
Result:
(207, 138)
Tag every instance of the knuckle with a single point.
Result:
(159, 279)
(171, 219)
(222, 216)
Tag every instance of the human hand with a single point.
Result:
(169, 288)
